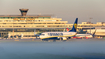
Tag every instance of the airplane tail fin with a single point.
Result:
(74, 26)
(94, 34)
(67, 29)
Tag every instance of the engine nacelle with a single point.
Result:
(64, 38)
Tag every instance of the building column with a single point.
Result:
(21, 36)
(9, 35)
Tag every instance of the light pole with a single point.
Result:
(90, 24)
(13, 28)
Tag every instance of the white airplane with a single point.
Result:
(82, 35)
(60, 35)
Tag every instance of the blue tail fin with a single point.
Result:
(74, 26)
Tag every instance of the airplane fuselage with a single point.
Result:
(56, 35)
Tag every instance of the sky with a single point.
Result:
(68, 10)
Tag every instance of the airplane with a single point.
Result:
(82, 35)
(60, 35)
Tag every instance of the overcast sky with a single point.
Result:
(66, 9)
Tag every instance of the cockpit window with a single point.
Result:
(42, 34)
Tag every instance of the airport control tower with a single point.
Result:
(23, 12)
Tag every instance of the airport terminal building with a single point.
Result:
(26, 26)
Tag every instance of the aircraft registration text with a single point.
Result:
(55, 34)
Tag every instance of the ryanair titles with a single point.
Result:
(55, 34)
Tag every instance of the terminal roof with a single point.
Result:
(25, 16)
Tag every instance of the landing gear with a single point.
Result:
(54, 40)
(63, 39)
(44, 40)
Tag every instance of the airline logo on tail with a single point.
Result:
(75, 26)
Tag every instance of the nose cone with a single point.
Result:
(40, 36)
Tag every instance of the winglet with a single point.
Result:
(67, 29)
